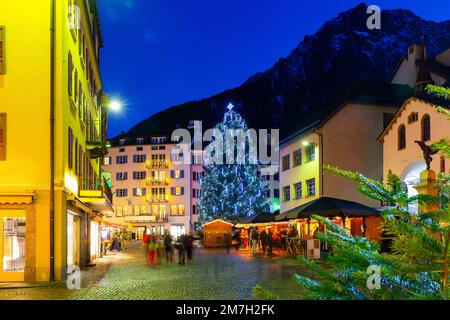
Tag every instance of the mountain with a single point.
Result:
(302, 85)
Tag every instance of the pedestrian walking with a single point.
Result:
(263, 238)
(254, 236)
(168, 247)
(152, 251)
(270, 241)
(227, 239)
(181, 250)
(189, 246)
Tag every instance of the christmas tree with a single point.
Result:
(235, 190)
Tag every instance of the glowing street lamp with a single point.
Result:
(305, 143)
(115, 105)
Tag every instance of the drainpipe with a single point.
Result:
(321, 148)
(52, 140)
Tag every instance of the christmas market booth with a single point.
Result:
(356, 218)
(214, 233)
(260, 221)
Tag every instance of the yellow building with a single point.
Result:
(52, 134)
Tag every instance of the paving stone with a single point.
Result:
(212, 274)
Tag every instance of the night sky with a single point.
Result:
(159, 53)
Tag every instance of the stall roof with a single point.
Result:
(329, 207)
(262, 217)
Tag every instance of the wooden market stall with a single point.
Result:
(214, 232)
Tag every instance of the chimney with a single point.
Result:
(423, 76)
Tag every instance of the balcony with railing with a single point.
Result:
(162, 198)
(157, 182)
(148, 218)
(95, 141)
(157, 164)
(96, 193)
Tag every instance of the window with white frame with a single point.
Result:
(311, 185)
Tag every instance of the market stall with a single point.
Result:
(356, 218)
(214, 232)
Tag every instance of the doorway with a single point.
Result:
(73, 240)
(12, 245)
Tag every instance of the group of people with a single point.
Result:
(159, 248)
(266, 239)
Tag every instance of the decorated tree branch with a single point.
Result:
(232, 191)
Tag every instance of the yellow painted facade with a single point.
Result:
(307, 170)
(25, 102)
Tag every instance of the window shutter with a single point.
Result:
(2, 50)
(117, 176)
(182, 174)
(2, 136)
(182, 190)
(125, 192)
(70, 74)
(172, 191)
(134, 192)
(70, 149)
(172, 174)
(144, 191)
(134, 175)
(134, 158)
(125, 176)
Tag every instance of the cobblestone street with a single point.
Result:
(212, 274)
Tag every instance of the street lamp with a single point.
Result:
(115, 105)
(305, 143)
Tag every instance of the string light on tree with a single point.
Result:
(233, 191)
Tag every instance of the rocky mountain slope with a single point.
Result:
(296, 88)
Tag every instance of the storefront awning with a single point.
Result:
(17, 197)
(329, 207)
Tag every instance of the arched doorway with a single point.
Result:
(411, 177)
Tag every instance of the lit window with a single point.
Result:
(310, 152)
(107, 161)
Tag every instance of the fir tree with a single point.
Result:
(232, 191)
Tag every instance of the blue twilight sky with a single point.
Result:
(159, 53)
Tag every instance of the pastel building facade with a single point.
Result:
(52, 139)
(154, 191)
(417, 119)
(346, 137)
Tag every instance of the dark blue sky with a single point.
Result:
(159, 53)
